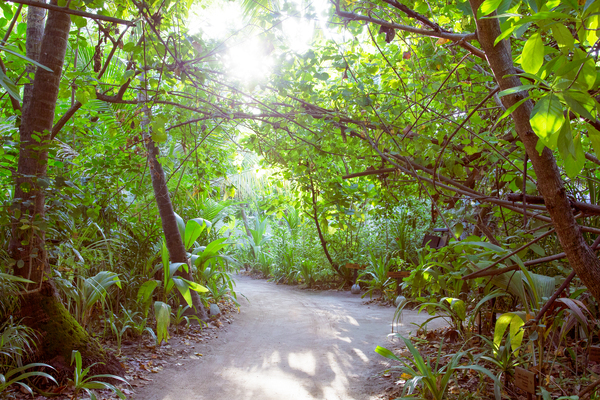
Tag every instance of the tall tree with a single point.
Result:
(173, 239)
(582, 258)
(41, 309)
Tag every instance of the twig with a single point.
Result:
(579, 205)
(66, 10)
(554, 297)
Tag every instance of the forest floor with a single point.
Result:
(286, 343)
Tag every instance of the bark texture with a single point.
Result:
(33, 45)
(27, 245)
(550, 185)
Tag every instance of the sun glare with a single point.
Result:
(249, 60)
(299, 33)
(247, 51)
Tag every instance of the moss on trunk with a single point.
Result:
(60, 334)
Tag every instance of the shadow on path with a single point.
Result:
(288, 343)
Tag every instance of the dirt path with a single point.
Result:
(287, 344)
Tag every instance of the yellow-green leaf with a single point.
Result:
(563, 37)
(488, 7)
(532, 57)
(547, 118)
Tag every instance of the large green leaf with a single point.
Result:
(145, 291)
(563, 37)
(458, 306)
(29, 60)
(515, 322)
(594, 136)
(196, 287)
(488, 7)
(95, 288)
(174, 267)
(193, 229)
(532, 57)
(581, 103)
(565, 143)
(547, 118)
(162, 313)
(183, 287)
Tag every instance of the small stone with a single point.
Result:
(214, 310)
(355, 289)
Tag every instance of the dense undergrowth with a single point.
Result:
(116, 289)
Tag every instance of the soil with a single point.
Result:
(287, 343)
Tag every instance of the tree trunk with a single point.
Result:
(174, 242)
(33, 44)
(499, 57)
(41, 309)
(315, 217)
(173, 239)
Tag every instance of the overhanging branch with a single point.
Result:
(73, 12)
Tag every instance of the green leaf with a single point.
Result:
(9, 86)
(29, 60)
(506, 33)
(563, 37)
(565, 142)
(184, 289)
(592, 24)
(502, 325)
(574, 165)
(159, 135)
(581, 103)
(145, 292)
(129, 47)
(458, 306)
(594, 136)
(532, 57)
(196, 286)
(180, 225)
(382, 351)
(174, 267)
(516, 89)
(512, 108)
(488, 7)
(80, 22)
(547, 119)
(458, 230)
(162, 313)
(193, 229)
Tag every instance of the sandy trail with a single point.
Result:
(288, 343)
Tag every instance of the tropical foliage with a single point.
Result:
(153, 174)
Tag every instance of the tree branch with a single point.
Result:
(73, 12)
(460, 39)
